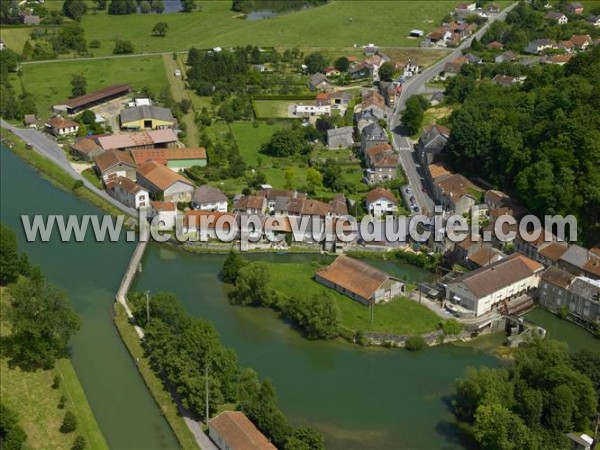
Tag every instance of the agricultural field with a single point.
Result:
(400, 316)
(338, 24)
(50, 83)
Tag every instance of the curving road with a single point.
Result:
(47, 147)
(416, 85)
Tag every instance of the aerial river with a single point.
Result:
(361, 398)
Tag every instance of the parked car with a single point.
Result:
(415, 208)
(408, 191)
(413, 200)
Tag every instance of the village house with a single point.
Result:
(436, 172)
(128, 192)
(372, 135)
(495, 45)
(382, 162)
(163, 183)
(359, 281)
(538, 46)
(580, 295)
(494, 285)
(301, 110)
(374, 103)
(176, 159)
(506, 57)
(452, 68)
(166, 213)
(580, 261)
(438, 37)
(549, 253)
(581, 42)
(232, 430)
(85, 148)
(112, 164)
(559, 60)
(504, 80)
(209, 198)
(432, 143)
(60, 126)
(332, 72)
(580, 441)
(389, 91)
(319, 82)
(364, 119)
(275, 195)
(360, 70)
(594, 20)
(338, 138)
(30, 120)
(144, 139)
(482, 254)
(206, 224)
(250, 204)
(87, 101)
(456, 194)
(465, 7)
(557, 17)
(147, 117)
(30, 19)
(380, 202)
(575, 8)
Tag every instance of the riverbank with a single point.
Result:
(36, 399)
(155, 385)
(56, 175)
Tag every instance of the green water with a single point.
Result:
(90, 272)
(359, 398)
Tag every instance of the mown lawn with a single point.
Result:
(273, 109)
(250, 139)
(31, 395)
(337, 24)
(15, 38)
(400, 316)
(50, 83)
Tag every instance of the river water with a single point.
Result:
(358, 398)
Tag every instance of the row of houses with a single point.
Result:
(450, 34)
(577, 42)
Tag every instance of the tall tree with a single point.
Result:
(160, 29)
(78, 84)
(188, 5)
(386, 71)
(12, 263)
(75, 9)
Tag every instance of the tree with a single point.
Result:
(12, 263)
(284, 142)
(69, 423)
(289, 178)
(315, 62)
(231, 267)
(13, 436)
(588, 362)
(9, 60)
(42, 321)
(122, 47)
(497, 428)
(158, 6)
(78, 443)
(342, 64)
(413, 115)
(314, 180)
(386, 71)
(121, 7)
(318, 317)
(78, 85)
(27, 52)
(160, 29)
(305, 438)
(252, 286)
(75, 9)
(188, 5)
(88, 117)
(145, 7)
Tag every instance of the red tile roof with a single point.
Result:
(380, 192)
(163, 155)
(239, 433)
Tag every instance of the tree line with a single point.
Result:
(188, 353)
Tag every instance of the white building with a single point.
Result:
(163, 182)
(62, 127)
(311, 110)
(128, 193)
(208, 198)
(380, 202)
(491, 286)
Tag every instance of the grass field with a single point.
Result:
(15, 38)
(337, 24)
(272, 109)
(155, 385)
(31, 395)
(400, 316)
(50, 83)
(250, 139)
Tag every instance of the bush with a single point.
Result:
(94, 44)
(415, 343)
(69, 423)
(61, 402)
(77, 184)
(56, 382)
(451, 327)
(78, 443)
(123, 47)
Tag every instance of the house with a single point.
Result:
(360, 281)
(486, 288)
(473, 59)
(128, 192)
(538, 46)
(436, 172)
(594, 20)
(147, 117)
(389, 91)
(495, 45)
(360, 70)
(2, 44)
(112, 164)
(176, 159)
(276, 195)
(438, 36)
(384, 167)
(504, 80)
(462, 7)
(452, 68)
(143, 139)
(372, 135)
(30, 120)
(301, 110)
(581, 41)
(250, 204)
(557, 17)
(166, 213)
(332, 72)
(436, 98)
(493, 8)
(456, 194)
(505, 57)
(381, 201)
(319, 82)
(580, 261)
(549, 253)
(575, 8)
(30, 19)
(559, 60)
(86, 148)
(60, 126)
(232, 430)
(579, 295)
(370, 49)
(87, 101)
(338, 138)
(432, 143)
(580, 441)
(208, 198)
(163, 183)
(207, 224)
(374, 102)
(482, 254)
(363, 119)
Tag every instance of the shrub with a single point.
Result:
(69, 423)
(94, 44)
(56, 382)
(451, 327)
(61, 402)
(77, 184)
(415, 343)
(78, 443)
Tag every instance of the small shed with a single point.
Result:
(416, 33)
(30, 120)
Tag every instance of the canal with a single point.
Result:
(357, 397)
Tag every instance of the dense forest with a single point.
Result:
(539, 141)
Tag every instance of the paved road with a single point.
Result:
(416, 85)
(47, 147)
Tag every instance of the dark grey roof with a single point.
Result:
(576, 255)
(146, 112)
(318, 78)
(340, 131)
(208, 194)
(586, 288)
(374, 132)
(281, 203)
